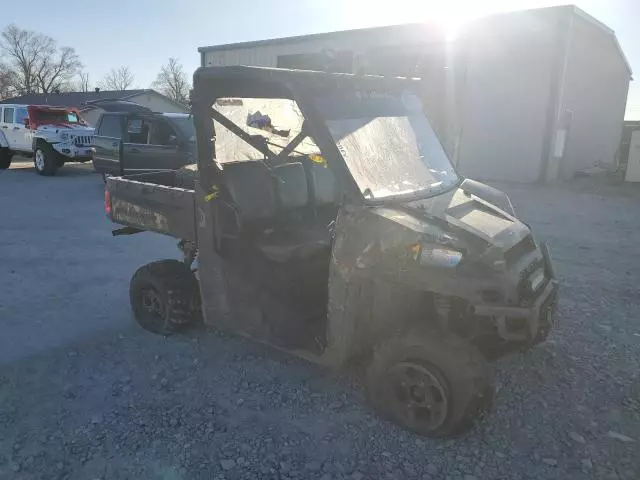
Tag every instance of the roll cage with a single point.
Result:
(213, 83)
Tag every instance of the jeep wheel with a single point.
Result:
(430, 383)
(5, 158)
(164, 296)
(45, 160)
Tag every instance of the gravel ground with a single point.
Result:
(85, 394)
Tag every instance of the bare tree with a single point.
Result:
(6, 83)
(118, 79)
(56, 72)
(83, 82)
(35, 62)
(173, 82)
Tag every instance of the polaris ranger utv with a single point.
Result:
(324, 218)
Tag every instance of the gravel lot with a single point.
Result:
(85, 394)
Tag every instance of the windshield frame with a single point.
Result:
(306, 102)
(213, 83)
(50, 116)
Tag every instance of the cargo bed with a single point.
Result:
(152, 202)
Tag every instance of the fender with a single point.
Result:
(3, 141)
(488, 194)
(34, 142)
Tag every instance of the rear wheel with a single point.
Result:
(45, 160)
(5, 158)
(431, 383)
(164, 296)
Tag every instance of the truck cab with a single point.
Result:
(132, 139)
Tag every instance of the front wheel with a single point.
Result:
(5, 158)
(429, 382)
(45, 160)
(164, 296)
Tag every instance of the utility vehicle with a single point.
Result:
(325, 218)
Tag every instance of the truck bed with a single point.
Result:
(152, 202)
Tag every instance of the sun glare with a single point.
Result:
(450, 16)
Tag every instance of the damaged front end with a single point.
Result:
(463, 264)
(498, 320)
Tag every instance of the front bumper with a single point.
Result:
(539, 317)
(533, 322)
(74, 152)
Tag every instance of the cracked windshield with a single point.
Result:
(388, 144)
(320, 240)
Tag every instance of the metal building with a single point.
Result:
(533, 95)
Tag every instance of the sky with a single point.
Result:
(143, 34)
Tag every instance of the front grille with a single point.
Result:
(519, 250)
(526, 295)
(82, 140)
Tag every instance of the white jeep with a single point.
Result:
(51, 135)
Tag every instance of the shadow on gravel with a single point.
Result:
(75, 170)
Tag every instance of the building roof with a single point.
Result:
(76, 99)
(597, 23)
(568, 10)
(373, 31)
(71, 99)
(416, 28)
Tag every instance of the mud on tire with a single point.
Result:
(164, 296)
(429, 382)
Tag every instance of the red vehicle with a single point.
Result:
(52, 135)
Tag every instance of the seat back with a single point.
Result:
(291, 186)
(251, 187)
(324, 184)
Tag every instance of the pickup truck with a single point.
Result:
(131, 139)
(51, 135)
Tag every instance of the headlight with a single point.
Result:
(64, 137)
(536, 279)
(430, 255)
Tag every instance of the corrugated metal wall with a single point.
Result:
(596, 83)
(507, 87)
(495, 98)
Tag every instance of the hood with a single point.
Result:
(466, 211)
(67, 127)
(464, 214)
